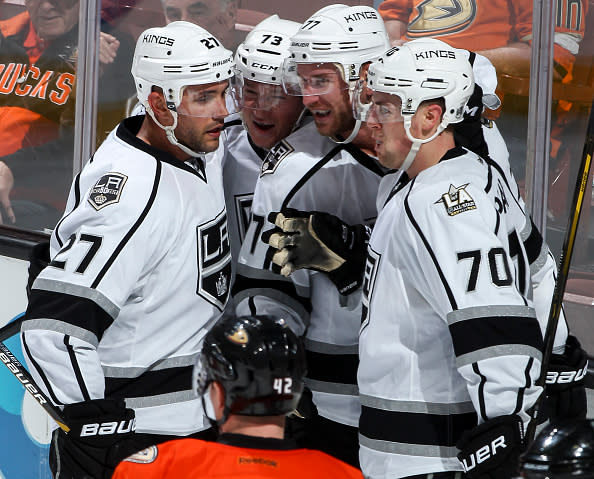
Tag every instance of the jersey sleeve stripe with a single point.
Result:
(134, 228)
(31, 360)
(80, 317)
(76, 368)
(420, 429)
(491, 331)
(78, 291)
(244, 287)
(417, 406)
(150, 383)
(333, 368)
(534, 244)
(498, 352)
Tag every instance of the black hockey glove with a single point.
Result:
(565, 389)
(38, 260)
(100, 436)
(318, 241)
(492, 450)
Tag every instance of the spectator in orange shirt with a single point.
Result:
(253, 368)
(38, 53)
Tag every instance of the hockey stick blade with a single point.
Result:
(564, 264)
(19, 372)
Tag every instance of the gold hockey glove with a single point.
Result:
(319, 241)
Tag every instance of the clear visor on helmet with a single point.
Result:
(211, 100)
(312, 79)
(375, 107)
(254, 95)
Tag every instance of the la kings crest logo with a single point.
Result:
(278, 153)
(214, 261)
(457, 200)
(107, 190)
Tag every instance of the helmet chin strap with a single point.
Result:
(352, 136)
(169, 131)
(416, 143)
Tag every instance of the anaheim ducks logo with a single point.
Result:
(239, 336)
(442, 17)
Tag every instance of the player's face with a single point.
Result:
(216, 16)
(52, 18)
(387, 129)
(331, 110)
(201, 115)
(269, 114)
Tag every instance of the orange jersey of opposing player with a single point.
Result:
(239, 457)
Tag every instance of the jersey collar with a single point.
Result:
(254, 442)
(127, 131)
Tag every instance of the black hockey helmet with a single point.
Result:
(259, 362)
(561, 450)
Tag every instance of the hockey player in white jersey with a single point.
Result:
(450, 346)
(267, 116)
(322, 166)
(140, 264)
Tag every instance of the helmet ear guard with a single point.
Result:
(258, 361)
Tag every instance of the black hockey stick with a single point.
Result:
(564, 263)
(19, 372)
(10, 329)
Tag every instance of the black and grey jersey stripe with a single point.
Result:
(414, 428)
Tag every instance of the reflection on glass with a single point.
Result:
(38, 90)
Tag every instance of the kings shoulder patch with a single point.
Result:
(457, 200)
(278, 153)
(107, 190)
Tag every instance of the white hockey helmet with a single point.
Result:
(177, 55)
(424, 69)
(347, 36)
(260, 56)
(420, 70)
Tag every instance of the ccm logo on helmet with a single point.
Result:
(483, 453)
(355, 17)
(262, 66)
(435, 54)
(158, 39)
(108, 428)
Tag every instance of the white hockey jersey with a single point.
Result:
(449, 337)
(309, 172)
(242, 162)
(140, 270)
